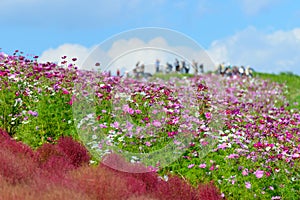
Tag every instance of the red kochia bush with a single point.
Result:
(67, 154)
(60, 171)
(75, 151)
(15, 167)
(100, 183)
(208, 191)
(17, 160)
(3, 135)
(52, 161)
(153, 187)
(13, 146)
(175, 188)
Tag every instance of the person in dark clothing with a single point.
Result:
(201, 68)
(169, 67)
(183, 65)
(177, 66)
(157, 63)
(187, 68)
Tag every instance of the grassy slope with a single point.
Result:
(168, 76)
(291, 81)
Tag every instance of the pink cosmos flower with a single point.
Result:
(72, 100)
(296, 155)
(115, 125)
(138, 111)
(131, 111)
(203, 165)
(204, 143)
(248, 185)
(245, 172)
(102, 126)
(208, 115)
(125, 108)
(222, 146)
(171, 134)
(148, 144)
(129, 126)
(156, 123)
(33, 113)
(191, 166)
(99, 94)
(259, 173)
(177, 142)
(175, 120)
(276, 197)
(233, 156)
(65, 91)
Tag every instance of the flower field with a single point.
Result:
(196, 137)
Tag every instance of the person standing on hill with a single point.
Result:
(195, 66)
(169, 67)
(201, 68)
(183, 67)
(177, 66)
(157, 65)
(242, 71)
(249, 71)
(187, 68)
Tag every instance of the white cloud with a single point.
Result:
(252, 7)
(268, 52)
(70, 50)
(124, 54)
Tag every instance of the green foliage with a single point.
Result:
(54, 120)
(170, 75)
(43, 117)
(292, 83)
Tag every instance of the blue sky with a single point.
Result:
(264, 34)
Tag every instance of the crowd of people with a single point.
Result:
(184, 67)
(228, 70)
(178, 66)
(139, 71)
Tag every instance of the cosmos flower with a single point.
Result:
(33, 113)
(203, 165)
(248, 185)
(259, 173)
